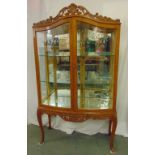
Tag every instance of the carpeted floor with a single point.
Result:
(59, 143)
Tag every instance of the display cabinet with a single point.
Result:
(76, 57)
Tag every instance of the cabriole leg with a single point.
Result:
(39, 116)
(113, 129)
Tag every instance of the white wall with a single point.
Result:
(33, 14)
(38, 10)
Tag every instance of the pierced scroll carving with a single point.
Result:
(75, 10)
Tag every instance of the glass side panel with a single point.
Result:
(95, 58)
(54, 61)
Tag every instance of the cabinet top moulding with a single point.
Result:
(74, 10)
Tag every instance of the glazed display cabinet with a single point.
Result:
(76, 57)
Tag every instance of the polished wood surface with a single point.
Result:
(73, 14)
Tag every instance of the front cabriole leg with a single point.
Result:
(113, 129)
(39, 116)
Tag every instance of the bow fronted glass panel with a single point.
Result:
(95, 58)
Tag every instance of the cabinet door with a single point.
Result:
(54, 66)
(95, 59)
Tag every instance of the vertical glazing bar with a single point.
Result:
(55, 76)
(37, 67)
(46, 68)
(111, 66)
(83, 36)
(110, 69)
(117, 38)
(73, 64)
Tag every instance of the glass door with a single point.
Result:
(54, 63)
(95, 59)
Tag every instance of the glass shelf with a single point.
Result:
(59, 82)
(54, 53)
(94, 54)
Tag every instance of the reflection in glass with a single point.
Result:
(95, 67)
(54, 61)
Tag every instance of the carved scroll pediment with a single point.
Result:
(75, 10)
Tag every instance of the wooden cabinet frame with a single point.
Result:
(72, 14)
